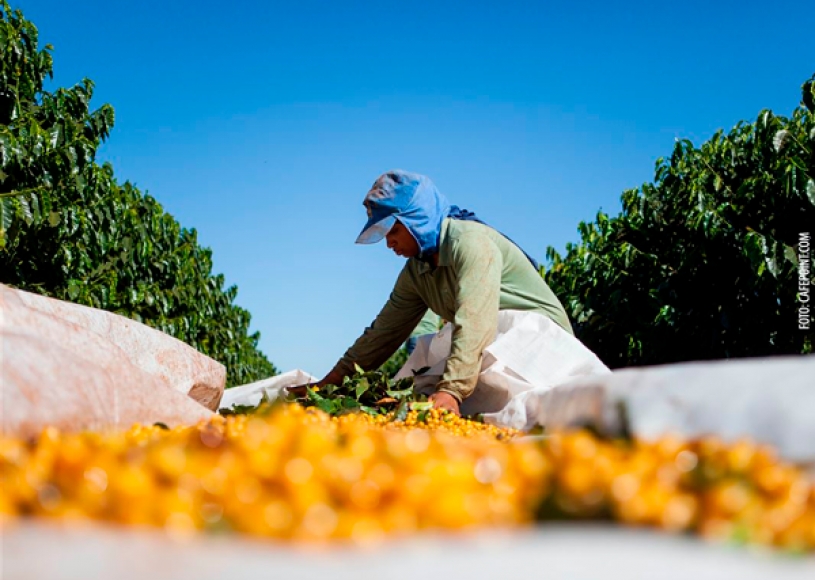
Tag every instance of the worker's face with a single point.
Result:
(402, 242)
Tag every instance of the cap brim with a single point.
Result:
(374, 232)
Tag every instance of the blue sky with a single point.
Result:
(263, 124)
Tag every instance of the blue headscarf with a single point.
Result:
(413, 200)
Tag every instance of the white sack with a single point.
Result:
(529, 351)
(252, 393)
(173, 362)
(44, 382)
(770, 400)
(80, 368)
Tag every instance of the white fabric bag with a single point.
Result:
(253, 393)
(530, 351)
(172, 362)
(78, 368)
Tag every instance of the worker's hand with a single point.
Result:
(332, 378)
(442, 400)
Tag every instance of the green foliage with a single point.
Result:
(394, 364)
(69, 230)
(701, 263)
(263, 408)
(47, 140)
(370, 392)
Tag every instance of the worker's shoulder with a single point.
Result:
(469, 236)
(463, 238)
(463, 229)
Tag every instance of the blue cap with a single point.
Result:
(410, 198)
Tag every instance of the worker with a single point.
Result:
(458, 267)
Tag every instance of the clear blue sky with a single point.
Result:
(263, 124)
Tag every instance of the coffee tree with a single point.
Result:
(702, 263)
(70, 230)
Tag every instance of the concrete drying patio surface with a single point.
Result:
(44, 551)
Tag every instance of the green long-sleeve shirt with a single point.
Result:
(479, 272)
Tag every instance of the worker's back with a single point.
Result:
(522, 287)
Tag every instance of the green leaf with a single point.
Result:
(770, 257)
(791, 255)
(73, 289)
(45, 201)
(325, 405)
(35, 207)
(400, 394)
(26, 209)
(349, 404)
(361, 388)
(765, 118)
(780, 139)
(808, 95)
(6, 213)
(54, 135)
(810, 190)
(402, 411)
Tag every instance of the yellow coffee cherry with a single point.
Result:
(296, 473)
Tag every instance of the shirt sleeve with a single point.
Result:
(478, 264)
(392, 326)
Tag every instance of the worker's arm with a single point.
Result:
(397, 319)
(477, 262)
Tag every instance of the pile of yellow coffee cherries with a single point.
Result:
(295, 473)
(737, 491)
(435, 420)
